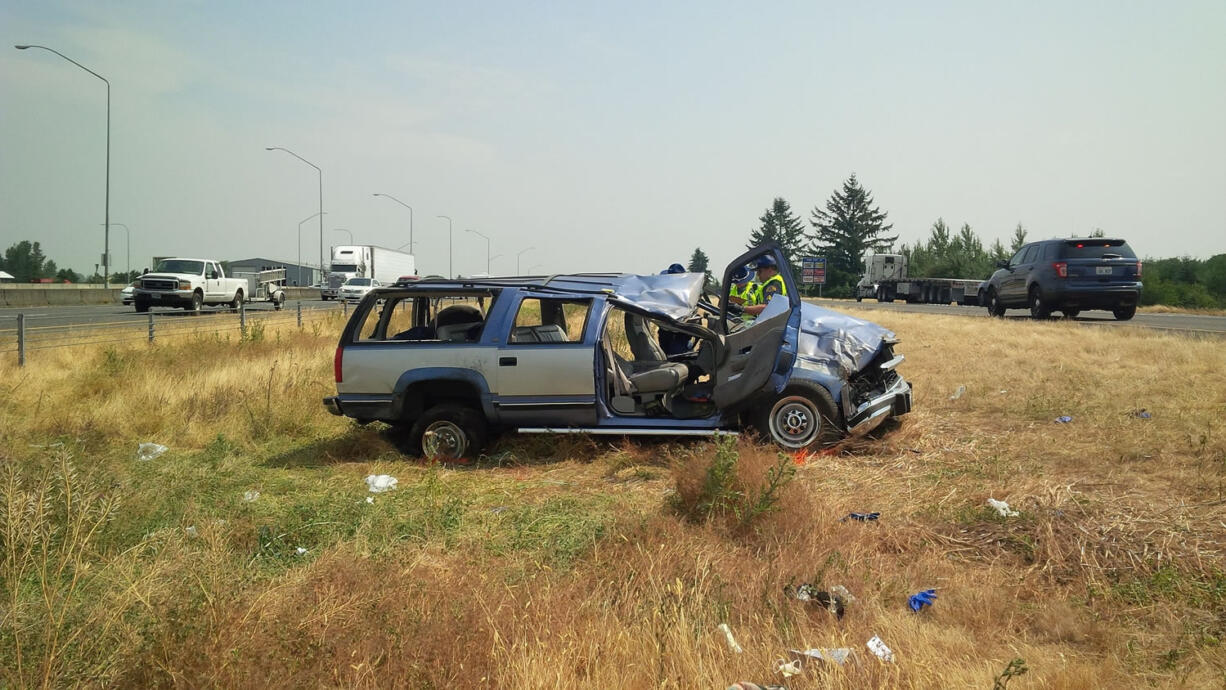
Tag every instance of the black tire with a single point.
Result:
(197, 303)
(800, 418)
(458, 433)
(1038, 310)
(1124, 313)
(1070, 313)
(237, 302)
(992, 301)
(142, 307)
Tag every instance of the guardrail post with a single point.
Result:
(242, 319)
(345, 307)
(300, 314)
(21, 340)
(150, 326)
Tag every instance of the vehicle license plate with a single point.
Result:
(1103, 270)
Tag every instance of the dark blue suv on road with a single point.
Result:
(1068, 275)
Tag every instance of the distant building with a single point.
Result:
(295, 275)
(6, 278)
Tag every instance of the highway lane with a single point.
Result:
(1187, 323)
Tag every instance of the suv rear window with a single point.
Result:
(1096, 249)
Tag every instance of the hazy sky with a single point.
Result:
(608, 136)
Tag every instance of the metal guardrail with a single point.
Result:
(26, 335)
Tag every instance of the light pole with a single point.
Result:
(487, 249)
(450, 268)
(517, 259)
(321, 198)
(106, 233)
(128, 244)
(496, 256)
(321, 214)
(389, 196)
(345, 230)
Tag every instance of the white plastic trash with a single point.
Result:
(149, 451)
(838, 656)
(251, 495)
(841, 591)
(1002, 508)
(958, 393)
(723, 627)
(300, 551)
(787, 668)
(876, 646)
(378, 483)
(370, 500)
(191, 531)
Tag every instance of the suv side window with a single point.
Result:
(1017, 258)
(546, 320)
(1028, 254)
(393, 320)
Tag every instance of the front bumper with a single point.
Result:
(165, 297)
(894, 401)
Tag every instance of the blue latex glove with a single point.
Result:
(924, 598)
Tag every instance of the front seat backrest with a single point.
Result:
(644, 347)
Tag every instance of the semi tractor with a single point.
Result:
(365, 261)
(885, 279)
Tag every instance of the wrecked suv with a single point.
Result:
(452, 361)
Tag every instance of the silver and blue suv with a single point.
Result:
(1069, 275)
(452, 361)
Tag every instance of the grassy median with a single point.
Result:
(572, 562)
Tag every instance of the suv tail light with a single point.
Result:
(336, 362)
(1061, 268)
(1138, 269)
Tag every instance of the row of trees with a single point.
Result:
(26, 262)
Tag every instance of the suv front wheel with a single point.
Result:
(800, 418)
(449, 433)
(995, 308)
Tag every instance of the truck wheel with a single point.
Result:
(449, 433)
(800, 418)
(197, 302)
(1070, 313)
(237, 302)
(995, 308)
(1038, 310)
(1124, 313)
(141, 307)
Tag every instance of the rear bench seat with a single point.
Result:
(548, 333)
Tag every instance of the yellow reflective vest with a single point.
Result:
(773, 286)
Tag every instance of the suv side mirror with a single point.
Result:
(1002, 264)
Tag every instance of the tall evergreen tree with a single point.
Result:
(1019, 238)
(25, 261)
(780, 225)
(850, 225)
(698, 261)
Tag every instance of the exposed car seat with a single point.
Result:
(650, 372)
(458, 323)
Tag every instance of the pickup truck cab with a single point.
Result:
(450, 361)
(188, 284)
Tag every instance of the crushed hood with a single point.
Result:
(839, 339)
(672, 295)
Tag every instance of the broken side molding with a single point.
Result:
(611, 431)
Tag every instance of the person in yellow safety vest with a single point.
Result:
(742, 291)
(770, 283)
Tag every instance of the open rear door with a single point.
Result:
(758, 358)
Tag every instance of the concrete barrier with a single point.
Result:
(35, 296)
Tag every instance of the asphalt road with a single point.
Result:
(1189, 323)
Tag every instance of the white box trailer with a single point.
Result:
(885, 280)
(365, 261)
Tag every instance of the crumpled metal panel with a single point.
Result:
(839, 339)
(673, 295)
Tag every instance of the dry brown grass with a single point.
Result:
(574, 562)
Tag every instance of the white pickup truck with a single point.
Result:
(189, 284)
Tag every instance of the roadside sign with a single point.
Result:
(813, 270)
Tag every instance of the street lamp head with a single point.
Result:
(270, 148)
(21, 47)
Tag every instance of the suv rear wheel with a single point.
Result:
(995, 308)
(449, 433)
(1125, 313)
(1038, 310)
(800, 419)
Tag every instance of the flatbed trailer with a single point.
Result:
(885, 280)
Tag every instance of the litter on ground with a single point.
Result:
(862, 517)
(876, 646)
(746, 685)
(300, 551)
(251, 495)
(149, 451)
(378, 483)
(370, 500)
(831, 602)
(958, 393)
(723, 627)
(1002, 508)
(1065, 419)
(925, 598)
(838, 655)
(191, 531)
(787, 668)
(1142, 414)
(841, 591)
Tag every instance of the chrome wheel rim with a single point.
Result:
(444, 439)
(795, 422)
